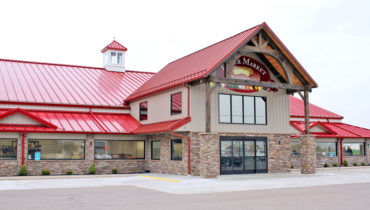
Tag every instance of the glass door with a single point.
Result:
(249, 156)
(243, 155)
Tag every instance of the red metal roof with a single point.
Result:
(32, 82)
(73, 122)
(161, 126)
(194, 66)
(114, 45)
(200, 63)
(296, 109)
(335, 130)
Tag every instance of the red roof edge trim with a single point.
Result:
(128, 99)
(317, 117)
(167, 126)
(325, 127)
(293, 123)
(264, 24)
(64, 105)
(247, 39)
(29, 115)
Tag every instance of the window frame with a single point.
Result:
(335, 153)
(151, 149)
(16, 148)
(119, 158)
(140, 111)
(172, 142)
(84, 149)
(364, 148)
(171, 100)
(231, 111)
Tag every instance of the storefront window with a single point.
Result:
(156, 150)
(353, 149)
(328, 149)
(296, 148)
(8, 149)
(57, 149)
(242, 109)
(176, 149)
(113, 149)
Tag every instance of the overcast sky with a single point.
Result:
(329, 38)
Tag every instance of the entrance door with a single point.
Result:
(243, 155)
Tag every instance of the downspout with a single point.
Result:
(187, 137)
(341, 151)
(23, 135)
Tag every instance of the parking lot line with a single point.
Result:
(159, 178)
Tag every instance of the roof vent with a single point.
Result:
(114, 57)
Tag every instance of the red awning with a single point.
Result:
(333, 130)
(161, 127)
(72, 122)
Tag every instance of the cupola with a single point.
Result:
(114, 57)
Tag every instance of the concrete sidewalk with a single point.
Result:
(190, 185)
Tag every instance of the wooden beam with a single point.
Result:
(259, 83)
(300, 94)
(306, 113)
(208, 106)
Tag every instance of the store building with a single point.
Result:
(221, 110)
(335, 141)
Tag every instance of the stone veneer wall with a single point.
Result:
(308, 154)
(165, 164)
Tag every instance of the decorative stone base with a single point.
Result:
(308, 154)
(209, 155)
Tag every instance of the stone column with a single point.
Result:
(308, 154)
(209, 155)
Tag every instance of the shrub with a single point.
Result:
(292, 166)
(69, 172)
(363, 164)
(335, 164)
(114, 171)
(23, 171)
(345, 162)
(326, 165)
(354, 164)
(45, 172)
(92, 169)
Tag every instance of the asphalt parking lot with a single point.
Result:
(328, 189)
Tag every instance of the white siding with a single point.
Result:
(159, 106)
(277, 114)
(18, 119)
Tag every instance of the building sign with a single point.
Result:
(249, 69)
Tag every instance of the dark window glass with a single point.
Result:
(242, 109)
(156, 150)
(114, 149)
(57, 149)
(143, 111)
(176, 103)
(8, 149)
(353, 149)
(176, 149)
(296, 148)
(327, 149)
(225, 108)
